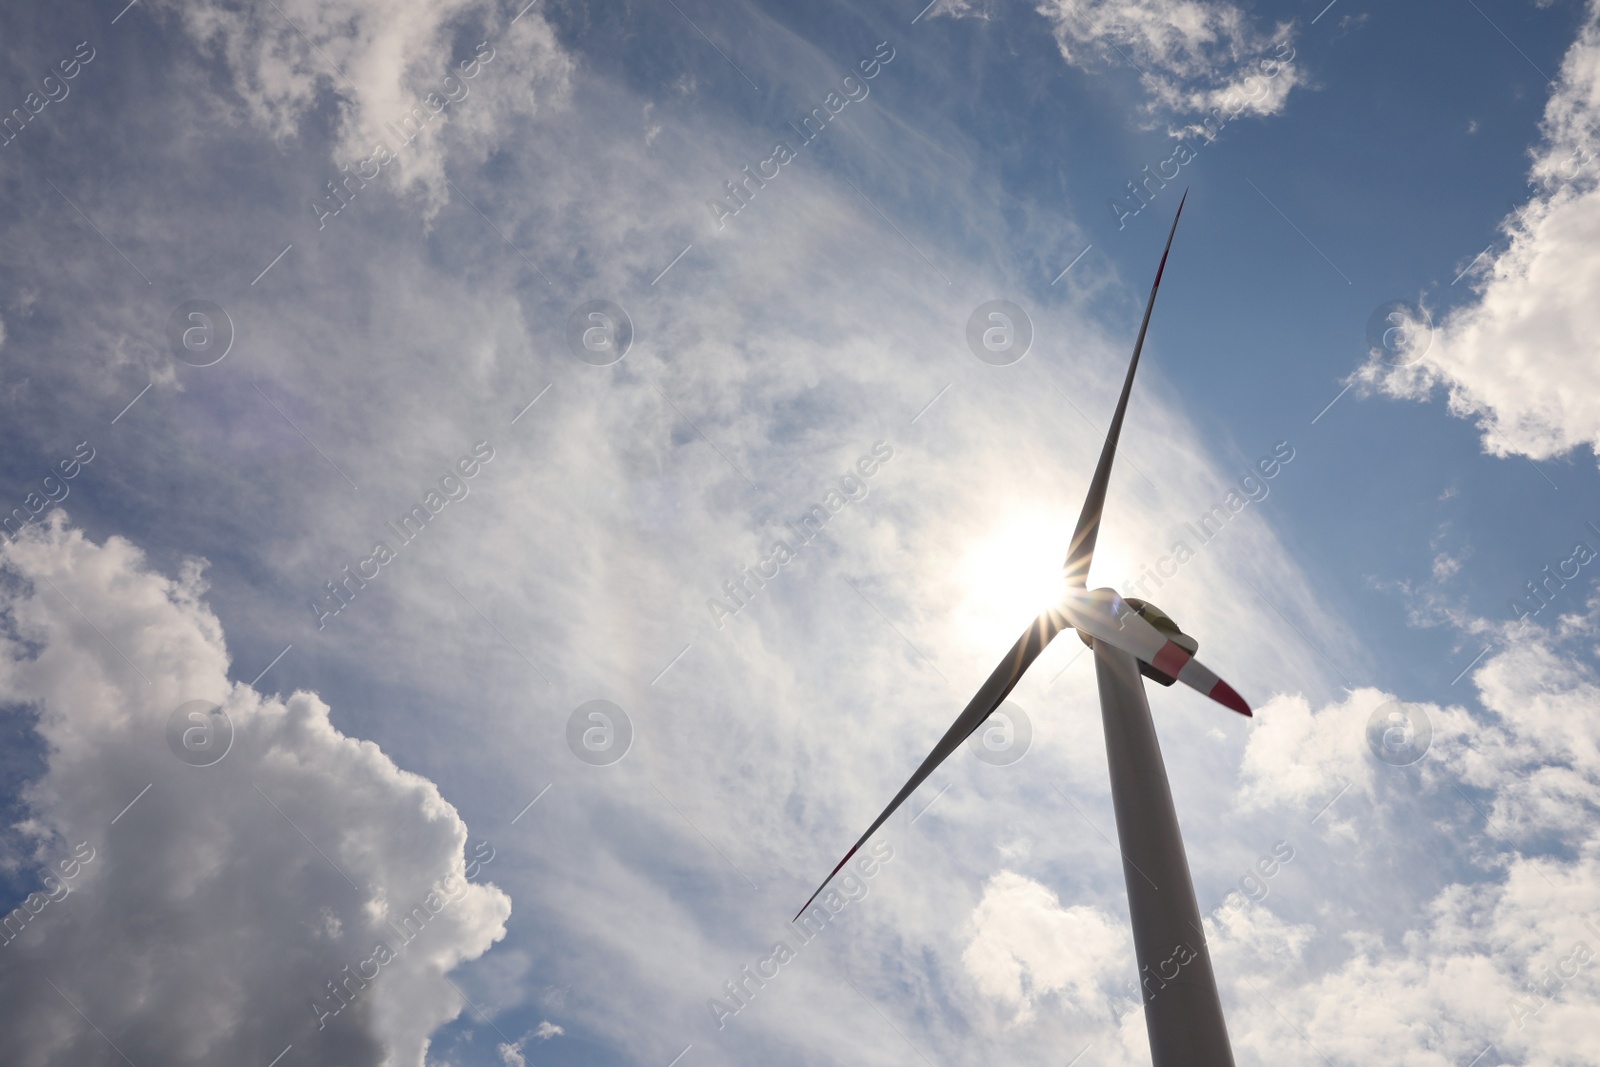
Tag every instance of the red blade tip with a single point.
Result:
(1224, 694)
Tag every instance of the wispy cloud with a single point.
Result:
(1191, 56)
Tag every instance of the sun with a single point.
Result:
(1011, 573)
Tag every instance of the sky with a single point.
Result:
(498, 497)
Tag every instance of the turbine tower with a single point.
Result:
(1130, 638)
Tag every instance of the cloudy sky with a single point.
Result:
(385, 384)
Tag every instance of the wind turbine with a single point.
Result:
(1129, 638)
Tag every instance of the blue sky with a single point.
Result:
(586, 514)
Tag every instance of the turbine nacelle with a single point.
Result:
(1147, 634)
(1161, 621)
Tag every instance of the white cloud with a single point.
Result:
(1300, 757)
(1517, 906)
(1445, 567)
(1192, 56)
(380, 61)
(513, 1054)
(218, 906)
(1457, 982)
(976, 9)
(1026, 946)
(1523, 359)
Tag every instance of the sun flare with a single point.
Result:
(1013, 572)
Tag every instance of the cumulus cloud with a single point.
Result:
(1297, 756)
(1191, 56)
(1503, 950)
(380, 63)
(212, 913)
(1025, 946)
(1508, 964)
(1523, 359)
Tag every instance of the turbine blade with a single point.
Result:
(1198, 677)
(1105, 616)
(999, 685)
(1081, 554)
